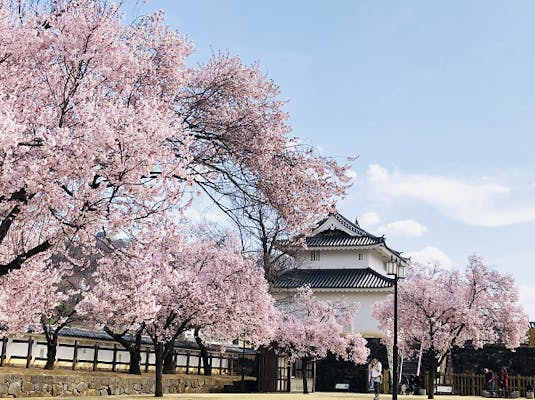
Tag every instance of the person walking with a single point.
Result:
(503, 382)
(376, 371)
(489, 380)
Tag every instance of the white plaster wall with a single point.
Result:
(363, 323)
(377, 262)
(331, 259)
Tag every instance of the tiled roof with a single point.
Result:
(354, 227)
(342, 241)
(341, 232)
(358, 278)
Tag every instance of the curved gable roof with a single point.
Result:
(342, 241)
(335, 221)
(346, 234)
(345, 278)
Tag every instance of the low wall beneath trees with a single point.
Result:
(33, 383)
(89, 354)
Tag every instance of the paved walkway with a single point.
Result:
(267, 396)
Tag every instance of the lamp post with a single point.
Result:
(398, 271)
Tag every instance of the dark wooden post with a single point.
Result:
(199, 364)
(289, 380)
(210, 361)
(220, 363)
(147, 355)
(95, 357)
(114, 358)
(187, 362)
(29, 355)
(313, 376)
(4, 350)
(75, 355)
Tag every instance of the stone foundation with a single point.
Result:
(36, 383)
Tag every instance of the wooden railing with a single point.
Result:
(474, 384)
(30, 351)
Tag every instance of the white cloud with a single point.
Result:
(202, 211)
(377, 173)
(216, 216)
(480, 202)
(527, 300)
(369, 219)
(352, 174)
(406, 227)
(431, 255)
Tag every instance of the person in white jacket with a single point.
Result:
(376, 371)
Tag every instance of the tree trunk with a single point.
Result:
(304, 363)
(133, 348)
(159, 353)
(433, 364)
(207, 367)
(134, 367)
(51, 350)
(169, 365)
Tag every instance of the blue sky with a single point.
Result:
(435, 98)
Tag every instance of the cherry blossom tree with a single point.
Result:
(121, 298)
(239, 291)
(69, 293)
(168, 283)
(269, 184)
(103, 128)
(85, 116)
(40, 299)
(439, 309)
(80, 88)
(309, 328)
(213, 289)
(242, 149)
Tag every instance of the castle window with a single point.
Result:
(315, 255)
(360, 256)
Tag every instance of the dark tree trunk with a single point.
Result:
(134, 367)
(51, 336)
(159, 352)
(51, 350)
(433, 364)
(304, 363)
(207, 366)
(169, 365)
(133, 348)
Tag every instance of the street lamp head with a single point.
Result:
(401, 271)
(394, 268)
(391, 268)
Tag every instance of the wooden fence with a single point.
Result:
(474, 384)
(93, 355)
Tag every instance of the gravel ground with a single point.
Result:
(267, 396)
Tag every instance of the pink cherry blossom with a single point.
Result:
(439, 309)
(86, 113)
(168, 284)
(103, 126)
(309, 328)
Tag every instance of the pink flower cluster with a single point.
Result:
(440, 308)
(310, 328)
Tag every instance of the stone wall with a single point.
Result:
(33, 383)
(518, 362)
